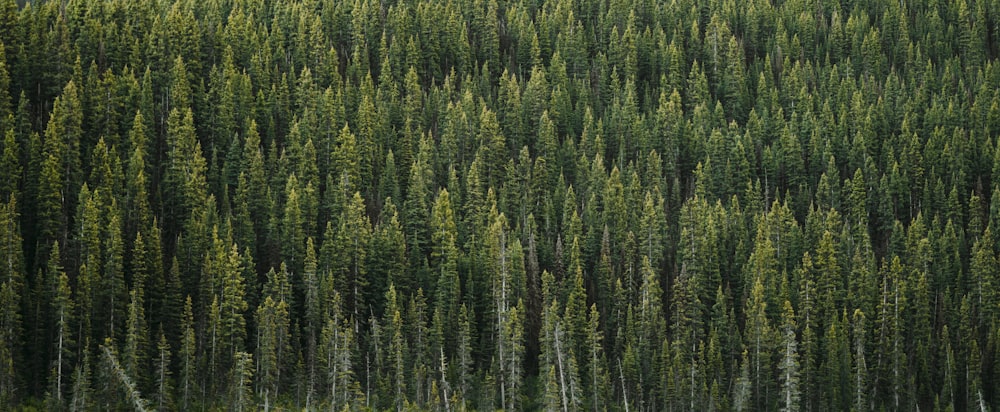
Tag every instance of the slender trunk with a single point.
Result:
(111, 325)
(187, 380)
(621, 373)
(693, 371)
(333, 374)
(368, 377)
(788, 374)
(857, 379)
(160, 386)
(444, 383)
(260, 365)
(501, 315)
(59, 363)
(562, 374)
(277, 365)
(211, 361)
(756, 370)
(895, 349)
(593, 374)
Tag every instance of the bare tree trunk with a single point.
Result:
(621, 373)
(562, 374)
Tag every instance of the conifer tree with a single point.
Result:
(113, 290)
(232, 304)
(163, 399)
(5, 98)
(351, 242)
(346, 161)
(62, 324)
(187, 384)
(759, 344)
(184, 182)
(273, 340)
(860, 363)
(60, 171)
(789, 365)
(10, 163)
(446, 256)
(598, 379)
(12, 290)
(136, 349)
(241, 392)
(338, 341)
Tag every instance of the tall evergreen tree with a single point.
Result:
(12, 291)
(62, 325)
(789, 364)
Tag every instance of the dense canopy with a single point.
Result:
(556, 205)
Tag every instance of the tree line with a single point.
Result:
(500, 204)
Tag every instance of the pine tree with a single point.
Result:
(417, 204)
(273, 340)
(829, 283)
(427, 344)
(688, 330)
(83, 392)
(232, 303)
(890, 357)
(860, 381)
(984, 276)
(185, 186)
(188, 357)
(464, 360)
(513, 334)
(180, 88)
(759, 344)
(335, 352)
(163, 400)
(293, 235)
(12, 290)
(90, 280)
(172, 304)
(393, 376)
(350, 272)
(492, 149)
(445, 255)
(575, 315)
(62, 324)
(742, 386)
(60, 172)
(241, 392)
(598, 380)
(313, 314)
(652, 227)
(346, 161)
(789, 365)
(836, 368)
(134, 357)
(9, 321)
(5, 100)
(252, 190)
(560, 358)
(10, 164)
(387, 259)
(113, 290)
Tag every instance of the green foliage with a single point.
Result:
(562, 204)
(12, 290)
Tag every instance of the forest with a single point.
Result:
(450, 205)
